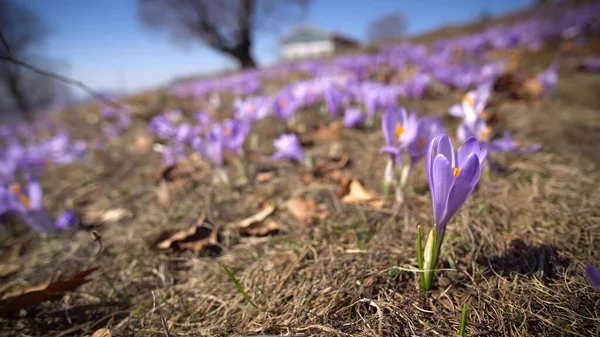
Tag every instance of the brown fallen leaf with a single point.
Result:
(102, 333)
(344, 188)
(261, 229)
(200, 237)
(328, 133)
(7, 270)
(359, 195)
(254, 225)
(114, 215)
(182, 173)
(305, 210)
(267, 210)
(264, 176)
(332, 164)
(32, 295)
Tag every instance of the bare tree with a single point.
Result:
(389, 26)
(22, 34)
(228, 26)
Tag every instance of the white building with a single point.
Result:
(310, 42)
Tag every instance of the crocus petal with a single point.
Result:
(442, 175)
(66, 219)
(593, 275)
(34, 194)
(389, 149)
(470, 146)
(531, 148)
(456, 111)
(463, 185)
(388, 126)
(429, 164)
(445, 148)
(482, 156)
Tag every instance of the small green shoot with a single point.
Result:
(462, 329)
(238, 286)
(451, 262)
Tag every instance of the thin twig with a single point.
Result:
(9, 58)
(165, 326)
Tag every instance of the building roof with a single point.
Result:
(306, 33)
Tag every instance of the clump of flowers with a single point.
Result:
(115, 121)
(405, 134)
(27, 204)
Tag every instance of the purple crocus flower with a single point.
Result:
(593, 275)
(59, 149)
(399, 131)
(235, 132)
(451, 177)
(472, 104)
(480, 131)
(211, 148)
(284, 105)
(476, 128)
(252, 109)
(371, 100)
(415, 87)
(162, 127)
(333, 99)
(288, 147)
(202, 118)
(548, 78)
(66, 219)
(353, 117)
(428, 128)
(184, 133)
(507, 144)
(28, 205)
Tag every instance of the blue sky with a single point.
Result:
(104, 44)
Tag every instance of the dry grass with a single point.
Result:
(515, 253)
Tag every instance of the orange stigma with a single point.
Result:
(469, 101)
(227, 132)
(399, 130)
(485, 133)
(283, 102)
(251, 108)
(16, 189)
(455, 171)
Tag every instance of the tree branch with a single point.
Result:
(106, 100)
(5, 45)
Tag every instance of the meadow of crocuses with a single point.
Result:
(404, 268)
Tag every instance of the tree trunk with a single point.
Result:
(246, 61)
(242, 54)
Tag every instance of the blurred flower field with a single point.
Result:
(370, 194)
